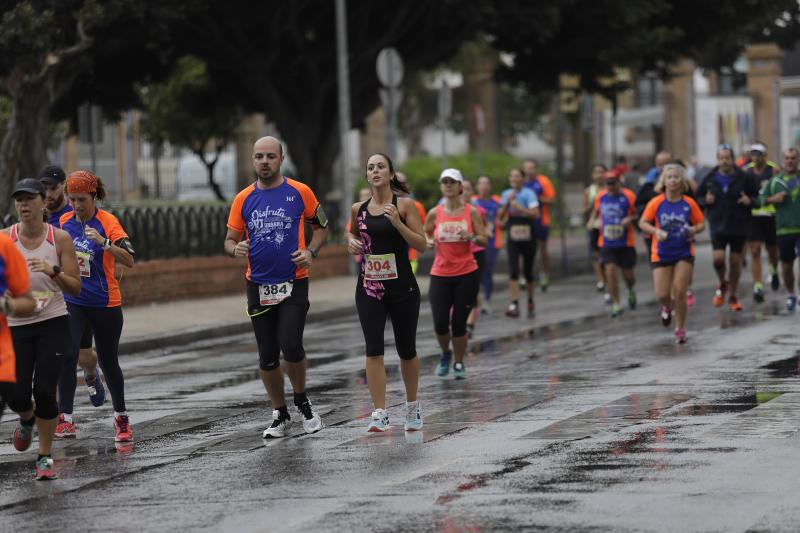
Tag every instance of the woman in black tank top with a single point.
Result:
(381, 231)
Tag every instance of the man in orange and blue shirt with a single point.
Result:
(614, 207)
(271, 214)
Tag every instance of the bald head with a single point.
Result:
(267, 158)
(663, 158)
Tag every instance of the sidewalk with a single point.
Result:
(160, 325)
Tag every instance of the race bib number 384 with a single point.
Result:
(380, 267)
(275, 293)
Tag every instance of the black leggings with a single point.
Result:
(527, 249)
(106, 323)
(40, 349)
(279, 328)
(404, 314)
(6, 390)
(456, 294)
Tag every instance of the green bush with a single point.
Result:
(423, 172)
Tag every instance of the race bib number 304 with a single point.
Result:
(380, 267)
(275, 293)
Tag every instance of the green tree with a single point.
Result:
(188, 110)
(57, 54)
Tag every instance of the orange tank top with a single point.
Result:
(453, 255)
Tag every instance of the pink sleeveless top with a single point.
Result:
(453, 255)
(49, 298)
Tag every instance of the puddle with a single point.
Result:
(737, 404)
(785, 368)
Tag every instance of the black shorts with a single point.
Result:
(480, 258)
(763, 229)
(736, 242)
(404, 313)
(787, 247)
(540, 232)
(662, 264)
(279, 328)
(594, 236)
(622, 257)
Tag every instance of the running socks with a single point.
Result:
(300, 398)
(27, 423)
(283, 413)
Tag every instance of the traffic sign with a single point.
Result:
(389, 67)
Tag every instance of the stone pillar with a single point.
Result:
(250, 129)
(677, 110)
(764, 69)
(481, 90)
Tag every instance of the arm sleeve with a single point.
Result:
(312, 211)
(631, 201)
(649, 213)
(235, 220)
(696, 214)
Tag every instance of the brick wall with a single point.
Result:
(176, 279)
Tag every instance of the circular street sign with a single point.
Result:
(389, 67)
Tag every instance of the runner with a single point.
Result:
(782, 193)
(546, 195)
(479, 252)
(454, 281)
(589, 194)
(40, 339)
(100, 243)
(15, 301)
(519, 208)
(614, 208)
(54, 181)
(728, 194)
(384, 227)
(271, 213)
(674, 219)
(413, 254)
(762, 230)
(491, 204)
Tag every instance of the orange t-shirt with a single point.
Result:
(14, 278)
(544, 190)
(413, 254)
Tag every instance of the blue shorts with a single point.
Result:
(787, 247)
(541, 233)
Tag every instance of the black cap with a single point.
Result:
(30, 186)
(52, 175)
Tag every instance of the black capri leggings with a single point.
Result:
(40, 349)
(456, 293)
(6, 391)
(404, 314)
(279, 328)
(527, 250)
(106, 323)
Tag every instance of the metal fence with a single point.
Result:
(166, 232)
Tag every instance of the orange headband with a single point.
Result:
(81, 181)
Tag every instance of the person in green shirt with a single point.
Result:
(782, 191)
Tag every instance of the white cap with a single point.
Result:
(758, 147)
(452, 173)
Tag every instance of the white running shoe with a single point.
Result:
(380, 421)
(279, 427)
(413, 416)
(311, 420)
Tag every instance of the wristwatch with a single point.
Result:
(56, 271)
(106, 244)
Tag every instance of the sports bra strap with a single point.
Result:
(14, 236)
(51, 235)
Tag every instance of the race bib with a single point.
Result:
(451, 231)
(84, 264)
(275, 293)
(613, 232)
(42, 299)
(520, 232)
(380, 267)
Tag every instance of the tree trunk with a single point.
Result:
(23, 150)
(215, 188)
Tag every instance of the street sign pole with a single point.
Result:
(343, 86)
(389, 68)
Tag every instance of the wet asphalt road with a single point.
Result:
(569, 422)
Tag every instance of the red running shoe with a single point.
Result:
(123, 428)
(64, 429)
